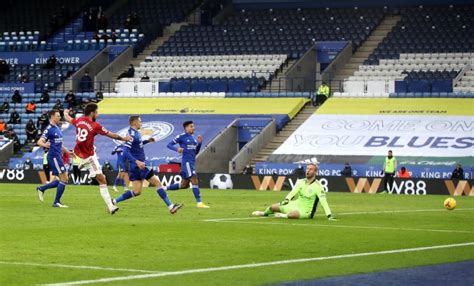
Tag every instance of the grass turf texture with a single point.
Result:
(143, 235)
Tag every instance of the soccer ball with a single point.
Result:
(450, 204)
(221, 182)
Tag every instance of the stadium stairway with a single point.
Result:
(286, 132)
(278, 83)
(364, 51)
(168, 32)
(466, 82)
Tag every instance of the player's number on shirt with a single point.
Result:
(81, 135)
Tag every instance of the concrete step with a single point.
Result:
(364, 51)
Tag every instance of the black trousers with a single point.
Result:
(388, 181)
(76, 172)
(46, 170)
(318, 99)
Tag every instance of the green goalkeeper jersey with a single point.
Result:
(304, 192)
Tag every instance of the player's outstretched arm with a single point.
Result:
(294, 191)
(67, 116)
(150, 140)
(118, 137)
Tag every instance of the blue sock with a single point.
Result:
(125, 196)
(123, 182)
(197, 194)
(173, 187)
(117, 180)
(164, 196)
(49, 185)
(59, 192)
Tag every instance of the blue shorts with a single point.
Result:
(188, 170)
(56, 165)
(135, 174)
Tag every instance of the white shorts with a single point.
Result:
(92, 165)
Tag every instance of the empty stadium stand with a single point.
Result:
(45, 17)
(232, 73)
(250, 47)
(425, 52)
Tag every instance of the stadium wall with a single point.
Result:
(238, 162)
(105, 79)
(218, 152)
(302, 74)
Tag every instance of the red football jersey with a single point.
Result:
(86, 130)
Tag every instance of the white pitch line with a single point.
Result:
(349, 226)
(76, 266)
(262, 264)
(403, 211)
(347, 213)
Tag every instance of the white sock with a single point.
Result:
(104, 192)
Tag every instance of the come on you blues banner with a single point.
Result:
(40, 58)
(409, 127)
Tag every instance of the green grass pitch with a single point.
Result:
(40, 244)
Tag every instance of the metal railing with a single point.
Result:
(295, 84)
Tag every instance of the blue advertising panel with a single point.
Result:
(40, 58)
(362, 170)
(9, 88)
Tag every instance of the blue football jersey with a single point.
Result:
(189, 144)
(133, 150)
(54, 136)
(118, 150)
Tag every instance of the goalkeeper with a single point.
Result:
(302, 201)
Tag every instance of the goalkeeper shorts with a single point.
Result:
(305, 211)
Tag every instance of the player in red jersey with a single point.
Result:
(86, 129)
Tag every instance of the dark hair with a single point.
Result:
(133, 118)
(390, 151)
(90, 107)
(186, 123)
(52, 112)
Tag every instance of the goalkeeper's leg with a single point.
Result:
(294, 214)
(275, 208)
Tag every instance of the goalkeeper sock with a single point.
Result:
(268, 211)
